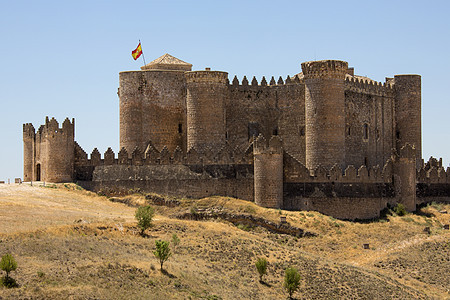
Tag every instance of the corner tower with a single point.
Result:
(152, 105)
(325, 112)
(206, 94)
(29, 138)
(408, 123)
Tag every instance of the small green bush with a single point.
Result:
(162, 251)
(144, 216)
(261, 266)
(8, 264)
(291, 281)
(400, 209)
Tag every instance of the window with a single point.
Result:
(275, 131)
(366, 131)
(302, 130)
(180, 128)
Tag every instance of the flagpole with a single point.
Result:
(142, 53)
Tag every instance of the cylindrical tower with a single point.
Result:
(405, 176)
(325, 112)
(206, 94)
(153, 105)
(268, 172)
(28, 151)
(407, 89)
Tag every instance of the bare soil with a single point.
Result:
(73, 244)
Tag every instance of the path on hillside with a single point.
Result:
(39, 207)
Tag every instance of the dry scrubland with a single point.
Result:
(73, 244)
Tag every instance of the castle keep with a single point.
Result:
(324, 139)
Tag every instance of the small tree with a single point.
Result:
(8, 264)
(261, 266)
(291, 281)
(162, 252)
(175, 241)
(144, 216)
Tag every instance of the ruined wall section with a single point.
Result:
(267, 108)
(152, 108)
(369, 118)
(29, 138)
(433, 182)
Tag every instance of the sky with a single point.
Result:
(62, 58)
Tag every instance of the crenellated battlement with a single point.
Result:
(433, 172)
(207, 76)
(263, 83)
(368, 86)
(151, 156)
(295, 171)
(28, 130)
(51, 128)
(324, 69)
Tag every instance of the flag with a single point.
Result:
(137, 52)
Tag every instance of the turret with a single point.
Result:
(405, 176)
(206, 94)
(325, 112)
(268, 172)
(152, 105)
(29, 136)
(49, 153)
(408, 128)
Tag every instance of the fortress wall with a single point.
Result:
(372, 103)
(433, 183)
(152, 108)
(267, 109)
(195, 181)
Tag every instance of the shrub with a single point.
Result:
(291, 281)
(261, 266)
(400, 209)
(144, 216)
(8, 264)
(162, 251)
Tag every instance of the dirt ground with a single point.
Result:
(73, 244)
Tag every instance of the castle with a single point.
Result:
(324, 139)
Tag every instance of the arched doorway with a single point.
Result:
(38, 172)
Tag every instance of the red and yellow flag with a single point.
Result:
(137, 52)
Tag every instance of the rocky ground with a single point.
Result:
(73, 244)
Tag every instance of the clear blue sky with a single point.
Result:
(63, 58)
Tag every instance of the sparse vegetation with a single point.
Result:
(162, 252)
(144, 216)
(400, 209)
(175, 241)
(291, 281)
(261, 266)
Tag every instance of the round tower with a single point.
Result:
(206, 94)
(152, 105)
(28, 151)
(325, 112)
(268, 172)
(408, 129)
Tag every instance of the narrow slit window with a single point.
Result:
(180, 128)
(366, 131)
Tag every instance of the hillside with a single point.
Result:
(72, 244)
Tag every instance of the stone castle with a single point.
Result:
(324, 139)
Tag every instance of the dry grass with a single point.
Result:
(70, 243)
